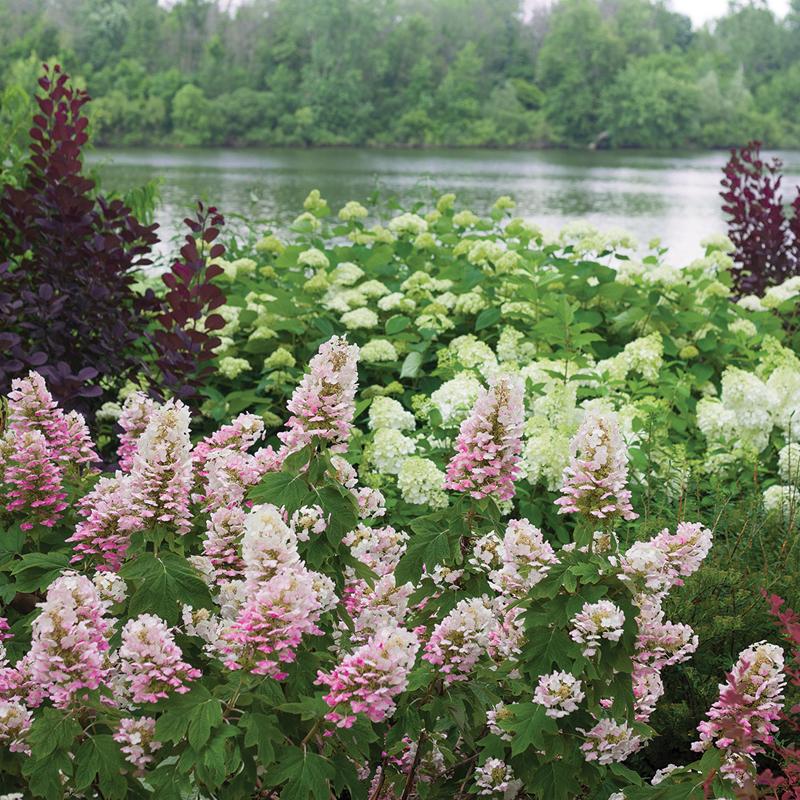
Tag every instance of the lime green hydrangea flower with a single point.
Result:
(445, 202)
(359, 318)
(271, 245)
(347, 273)
(315, 202)
(231, 367)
(407, 225)
(279, 359)
(465, 219)
(378, 351)
(313, 258)
(352, 211)
(504, 203)
(421, 483)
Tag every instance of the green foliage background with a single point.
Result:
(629, 73)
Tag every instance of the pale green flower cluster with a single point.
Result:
(789, 463)
(644, 355)
(465, 219)
(455, 398)
(396, 301)
(279, 359)
(513, 347)
(408, 224)
(421, 482)
(359, 318)
(386, 412)
(313, 258)
(783, 501)
(351, 211)
(315, 202)
(347, 273)
(469, 352)
(388, 450)
(485, 251)
(377, 351)
(232, 367)
(270, 245)
(471, 302)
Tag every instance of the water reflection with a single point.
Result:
(671, 196)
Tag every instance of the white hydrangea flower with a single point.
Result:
(421, 482)
(396, 301)
(386, 412)
(389, 448)
(313, 258)
(783, 501)
(347, 273)
(359, 318)
(352, 211)
(454, 398)
(789, 463)
(743, 326)
(411, 224)
(373, 289)
(377, 351)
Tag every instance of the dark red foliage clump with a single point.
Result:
(69, 258)
(783, 783)
(185, 342)
(766, 238)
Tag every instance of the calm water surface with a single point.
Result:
(671, 196)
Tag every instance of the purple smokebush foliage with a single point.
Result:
(68, 261)
(766, 237)
(184, 342)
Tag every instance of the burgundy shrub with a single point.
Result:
(767, 241)
(69, 262)
(784, 783)
(184, 342)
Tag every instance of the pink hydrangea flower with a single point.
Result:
(239, 435)
(161, 476)
(461, 638)
(137, 740)
(137, 411)
(609, 742)
(742, 720)
(110, 517)
(323, 405)
(150, 661)
(559, 692)
(487, 459)
(15, 722)
(272, 623)
(69, 642)
(33, 481)
(367, 680)
(595, 622)
(222, 543)
(595, 482)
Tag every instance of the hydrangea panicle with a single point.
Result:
(324, 403)
(596, 479)
(487, 459)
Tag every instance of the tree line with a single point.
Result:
(574, 73)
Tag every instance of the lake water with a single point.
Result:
(671, 196)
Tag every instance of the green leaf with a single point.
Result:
(261, 731)
(52, 730)
(197, 711)
(281, 489)
(306, 775)
(396, 324)
(164, 583)
(529, 726)
(411, 365)
(428, 547)
(11, 543)
(555, 780)
(101, 756)
(38, 570)
(487, 317)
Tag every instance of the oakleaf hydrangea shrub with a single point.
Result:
(225, 617)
